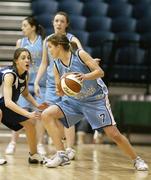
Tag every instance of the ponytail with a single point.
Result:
(73, 47)
(41, 31)
(39, 28)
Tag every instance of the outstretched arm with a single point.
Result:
(8, 83)
(42, 69)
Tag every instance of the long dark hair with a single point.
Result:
(39, 28)
(17, 53)
(61, 39)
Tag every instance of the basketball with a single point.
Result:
(70, 85)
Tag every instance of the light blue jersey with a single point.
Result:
(35, 49)
(50, 96)
(91, 89)
(91, 103)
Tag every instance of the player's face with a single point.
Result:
(23, 62)
(54, 50)
(27, 29)
(60, 24)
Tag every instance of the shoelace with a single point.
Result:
(139, 161)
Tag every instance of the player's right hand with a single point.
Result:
(59, 90)
(37, 90)
(34, 115)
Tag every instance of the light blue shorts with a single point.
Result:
(51, 97)
(27, 105)
(98, 113)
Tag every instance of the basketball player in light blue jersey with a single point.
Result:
(33, 41)
(60, 24)
(91, 103)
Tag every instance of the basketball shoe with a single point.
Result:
(71, 153)
(2, 161)
(140, 165)
(35, 159)
(10, 150)
(41, 149)
(59, 159)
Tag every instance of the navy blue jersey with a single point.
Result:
(18, 86)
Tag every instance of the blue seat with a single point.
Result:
(139, 1)
(65, 0)
(100, 23)
(145, 40)
(115, 1)
(99, 37)
(83, 36)
(121, 24)
(40, 7)
(78, 22)
(87, 1)
(71, 7)
(88, 49)
(129, 58)
(119, 9)
(128, 50)
(101, 43)
(146, 44)
(45, 19)
(144, 25)
(95, 9)
(141, 10)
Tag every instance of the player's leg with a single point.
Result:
(70, 141)
(10, 149)
(104, 118)
(50, 118)
(40, 130)
(123, 143)
(113, 133)
(30, 131)
(2, 160)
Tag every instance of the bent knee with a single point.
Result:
(53, 112)
(0, 115)
(46, 114)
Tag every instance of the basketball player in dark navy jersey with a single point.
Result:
(13, 82)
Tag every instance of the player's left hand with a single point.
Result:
(43, 106)
(97, 60)
(80, 76)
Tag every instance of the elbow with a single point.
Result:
(101, 73)
(7, 103)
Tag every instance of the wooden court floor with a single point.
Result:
(93, 162)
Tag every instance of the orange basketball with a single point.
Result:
(70, 85)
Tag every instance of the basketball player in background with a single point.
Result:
(61, 25)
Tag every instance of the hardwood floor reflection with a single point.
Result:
(93, 162)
